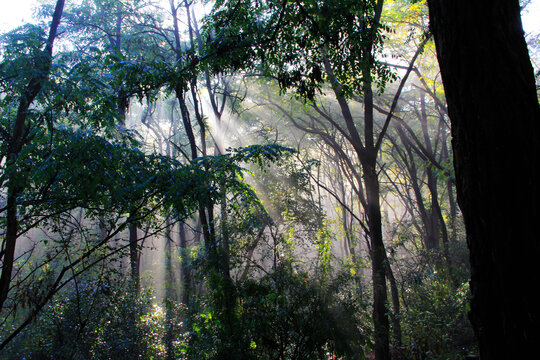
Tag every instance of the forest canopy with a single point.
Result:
(230, 179)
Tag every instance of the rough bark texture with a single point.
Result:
(492, 103)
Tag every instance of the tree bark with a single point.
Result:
(493, 107)
(378, 260)
(134, 257)
(185, 268)
(396, 312)
(16, 143)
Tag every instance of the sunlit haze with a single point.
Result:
(15, 13)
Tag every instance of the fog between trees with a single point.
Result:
(274, 181)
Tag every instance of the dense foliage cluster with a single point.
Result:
(139, 221)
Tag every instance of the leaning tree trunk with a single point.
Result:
(493, 107)
(15, 145)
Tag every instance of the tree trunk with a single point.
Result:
(186, 271)
(378, 257)
(170, 291)
(134, 257)
(493, 107)
(396, 312)
(15, 144)
(368, 159)
(414, 181)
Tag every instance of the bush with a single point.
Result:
(286, 315)
(435, 324)
(100, 320)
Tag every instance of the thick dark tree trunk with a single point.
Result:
(370, 175)
(492, 103)
(378, 260)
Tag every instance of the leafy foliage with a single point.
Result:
(435, 320)
(97, 318)
(268, 279)
(287, 314)
(296, 43)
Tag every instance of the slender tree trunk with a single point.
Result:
(134, 257)
(396, 312)
(134, 252)
(493, 106)
(433, 238)
(414, 182)
(206, 218)
(451, 201)
(9, 244)
(186, 271)
(437, 216)
(347, 229)
(225, 263)
(14, 147)
(224, 256)
(169, 290)
(193, 81)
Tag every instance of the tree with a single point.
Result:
(62, 153)
(15, 145)
(117, 28)
(305, 45)
(493, 107)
